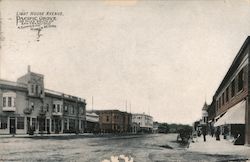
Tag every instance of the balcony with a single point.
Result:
(27, 111)
(9, 109)
(57, 113)
(42, 112)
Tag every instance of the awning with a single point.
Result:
(234, 115)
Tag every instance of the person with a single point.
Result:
(217, 133)
(204, 133)
(212, 132)
(225, 132)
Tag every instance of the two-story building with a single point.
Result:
(114, 121)
(27, 107)
(231, 100)
(144, 121)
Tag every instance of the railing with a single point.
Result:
(27, 111)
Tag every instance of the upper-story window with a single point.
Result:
(107, 118)
(32, 88)
(240, 80)
(9, 99)
(4, 101)
(47, 107)
(233, 88)
(54, 107)
(227, 94)
(65, 108)
(58, 108)
(223, 94)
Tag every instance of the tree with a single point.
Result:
(163, 128)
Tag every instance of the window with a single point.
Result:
(4, 101)
(72, 124)
(65, 108)
(20, 123)
(227, 95)
(223, 98)
(36, 89)
(240, 80)
(3, 122)
(54, 107)
(73, 110)
(65, 125)
(53, 125)
(107, 118)
(47, 107)
(219, 102)
(58, 108)
(233, 88)
(32, 88)
(9, 101)
(32, 105)
(34, 123)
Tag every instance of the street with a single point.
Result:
(137, 148)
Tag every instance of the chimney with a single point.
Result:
(28, 68)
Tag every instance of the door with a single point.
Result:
(28, 125)
(12, 126)
(48, 126)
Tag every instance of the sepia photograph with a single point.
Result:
(124, 80)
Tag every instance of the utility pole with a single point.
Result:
(92, 102)
(126, 105)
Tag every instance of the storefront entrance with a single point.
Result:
(12, 126)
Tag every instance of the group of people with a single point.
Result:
(215, 132)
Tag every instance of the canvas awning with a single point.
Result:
(235, 115)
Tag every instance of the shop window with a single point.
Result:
(65, 125)
(3, 122)
(233, 88)
(53, 125)
(240, 80)
(20, 122)
(34, 123)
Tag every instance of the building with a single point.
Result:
(204, 120)
(92, 122)
(230, 108)
(145, 122)
(114, 121)
(27, 107)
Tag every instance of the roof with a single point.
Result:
(236, 62)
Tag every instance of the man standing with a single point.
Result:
(204, 132)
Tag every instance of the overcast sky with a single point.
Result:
(163, 57)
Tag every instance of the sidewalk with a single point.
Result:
(211, 146)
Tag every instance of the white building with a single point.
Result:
(144, 121)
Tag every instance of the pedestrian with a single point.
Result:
(212, 132)
(217, 134)
(204, 133)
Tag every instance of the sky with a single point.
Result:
(164, 58)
